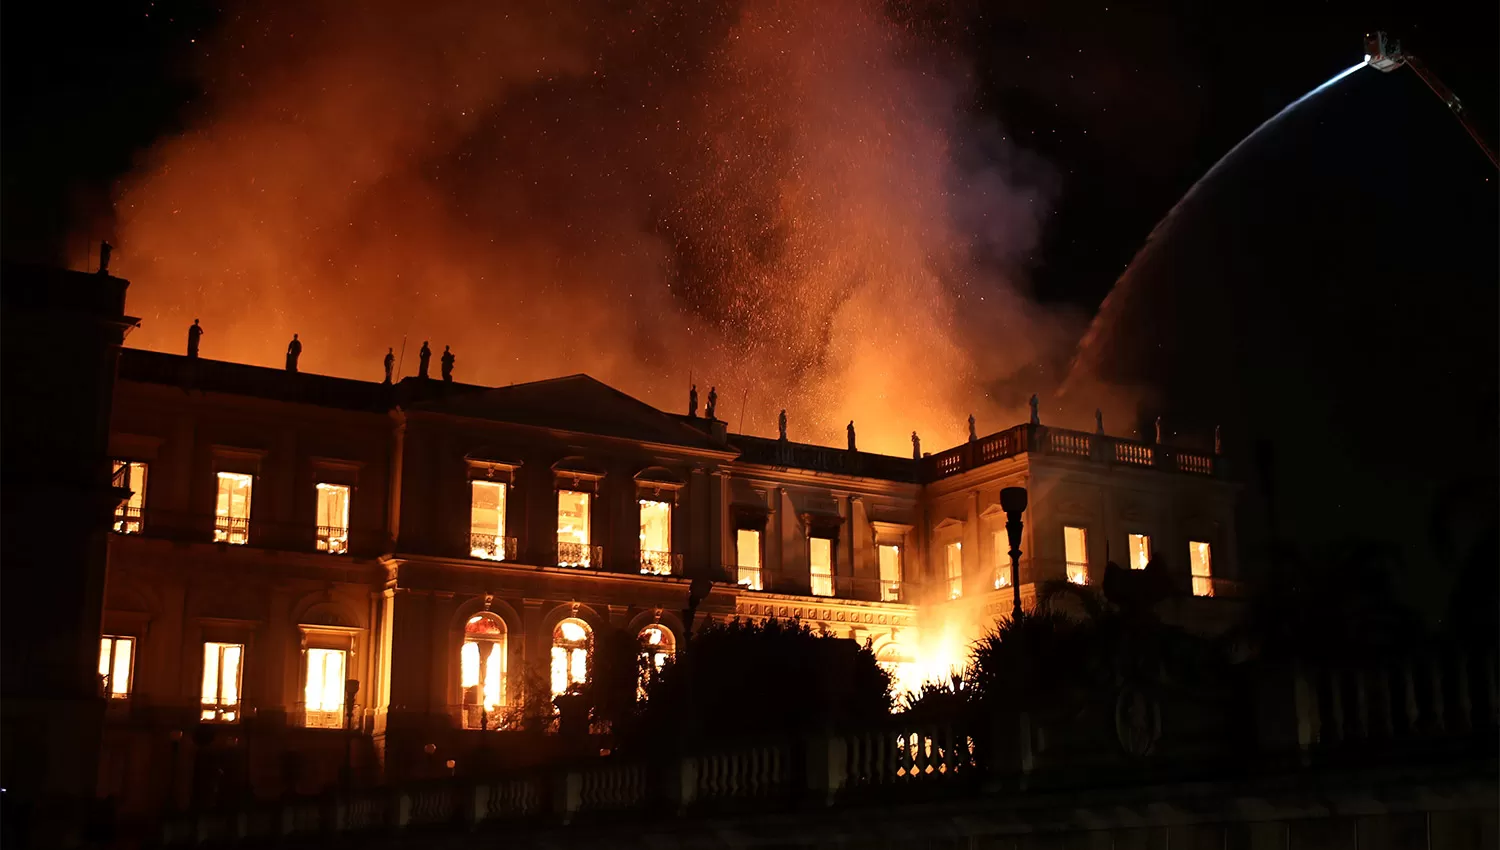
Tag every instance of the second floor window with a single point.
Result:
(1140, 551)
(953, 560)
(820, 565)
(232, 509)
(1076, 554)
(1200, 559)
(890, 573)
(573, 549)
(656, 537)
(747, 559)
(221, 681)
(333, 518)
(116, 660)
(487, 520)
(1002, 560)
(323, 693)
(129, 516)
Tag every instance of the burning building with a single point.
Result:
(410, 562)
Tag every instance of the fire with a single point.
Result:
(785, 200)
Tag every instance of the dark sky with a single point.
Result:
(1129, 102)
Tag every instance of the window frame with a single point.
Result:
(813, 577)
(135, 645)
(759, 582)
(122, 518)
(559, 641)
(587, 545)
(1069, 563)
(1207, 577)
(1130, 538)
(326, 542)
(484, 716)
(501, 550)
(656, 561)
(220, 711)
(954, 584)
(225, 524)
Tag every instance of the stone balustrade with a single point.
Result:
(1061, 442)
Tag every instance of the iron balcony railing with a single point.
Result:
(748, 578)
(492, 547)
(230, 529)
(581, 555)
(333, 539)
(128, 520)
(831, 587)
(660, 563)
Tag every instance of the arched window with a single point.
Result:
(657, 645)
(572, 641)
(904, 673)
(482, 671)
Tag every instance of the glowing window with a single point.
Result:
(747, 558)
(953, 557)
(573, 548)
(323, 693)
(1200, 558)
(333, 518)
(487, 520)
(1140, 551)
(482, 665)
(657, 645)
(571, 644)
(232, 510)
(221, 680)
(1076, 554)
(1002, 561)
(656, 537)
(130, 516)
(116, 660)
(890, 572)
(820, 565)
(905, 675)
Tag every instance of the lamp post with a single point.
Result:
(1013, 502)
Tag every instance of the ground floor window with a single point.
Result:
(572, 641)
(482, 664)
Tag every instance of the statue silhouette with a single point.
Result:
(195, 333)
(390, 363)
(851, 436)
(447, 362)
(424, 357)
(293, 351)
(713, 402)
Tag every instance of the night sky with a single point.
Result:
(1129, 103)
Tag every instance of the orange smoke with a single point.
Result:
(785, 200)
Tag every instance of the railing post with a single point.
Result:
(568, 796)
(477, 804)
(681, 783)
(403, 809)
(826, 768)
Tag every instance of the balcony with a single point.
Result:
(748, 578)
(490, 547)
(333, 539)
(128, 520)
(232, 530)
(581, 555)
(660, 563)
(1061, 442)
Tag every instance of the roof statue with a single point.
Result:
(693, 401)
(1036, 418)
(293, 351)
(424, 357)
(713, 402)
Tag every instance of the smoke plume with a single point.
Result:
(790, 201)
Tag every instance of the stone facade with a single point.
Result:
(396, 601)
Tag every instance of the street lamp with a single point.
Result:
(1013, 502)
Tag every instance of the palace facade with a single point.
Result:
(312, 574)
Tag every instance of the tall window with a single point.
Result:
(657, 646)
(130, 516)
(232, 511)
(953, 557)
(221, 680)
(487, 520)
(116, 660)
(890, 572)
(1140, 551)
(573, 548)
(656, 537)
(1002, 560)
(1076, 554)
(1200, 558)
(820, 565)
(747, 558)
(482, 665)
(323, 694)
(571, 643)
(333, 518)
